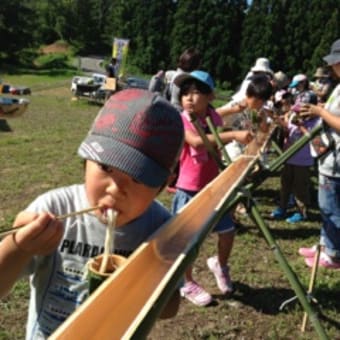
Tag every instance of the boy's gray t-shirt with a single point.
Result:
(57, 281)
(329, 165)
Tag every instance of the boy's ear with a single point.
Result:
(168, 181)
(171, 178)
(211, 96)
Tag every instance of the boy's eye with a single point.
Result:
(136, 181)
(109, 170)
(106, 168)
(193, 91)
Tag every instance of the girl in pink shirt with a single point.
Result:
(196, 169)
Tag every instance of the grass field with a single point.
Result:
(38, 151)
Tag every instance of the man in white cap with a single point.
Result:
(236, 105)
(262, 65)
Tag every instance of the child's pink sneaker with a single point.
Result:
(221, 274)
(307, 252)
(193, 292)
(324, 261)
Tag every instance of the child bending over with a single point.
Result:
(125, 169)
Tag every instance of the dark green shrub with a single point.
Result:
(53, 60)
(24, 58)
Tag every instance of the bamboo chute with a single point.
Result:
(127, 304)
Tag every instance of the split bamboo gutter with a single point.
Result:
(126, 305)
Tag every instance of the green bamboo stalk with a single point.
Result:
(276, 164)
(244, 195)
(294, 281)
(219, 143)
(260, 177)
(206, 142)
(276, 148)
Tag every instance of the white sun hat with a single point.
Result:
(262, 65)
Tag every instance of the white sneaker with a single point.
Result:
(221, 274)
(193, 292)
(324, 261)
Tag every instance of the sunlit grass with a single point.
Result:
(40, 153)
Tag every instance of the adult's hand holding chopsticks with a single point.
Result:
(41, 235)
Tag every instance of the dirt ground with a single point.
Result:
(57, 47)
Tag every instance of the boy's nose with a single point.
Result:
(118, 183)
(189, 97)
(112, 188)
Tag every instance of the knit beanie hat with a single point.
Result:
(137, 132)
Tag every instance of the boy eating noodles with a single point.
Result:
(130, 153)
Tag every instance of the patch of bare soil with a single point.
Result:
(57, 47)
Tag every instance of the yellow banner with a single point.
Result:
(120, 50)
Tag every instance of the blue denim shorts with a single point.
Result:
(182, 197)
(329, 204)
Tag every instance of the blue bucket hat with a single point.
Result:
(297, 79)
(199, 75)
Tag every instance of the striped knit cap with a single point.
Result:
(137, 132)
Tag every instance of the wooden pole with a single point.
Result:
(311, 283)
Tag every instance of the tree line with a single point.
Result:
(293, 34)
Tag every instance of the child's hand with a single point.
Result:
(42, 233)
(244, 136)
(242, 106)
(309, 109)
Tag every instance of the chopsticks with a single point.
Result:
(12, 230)
(109, 239)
